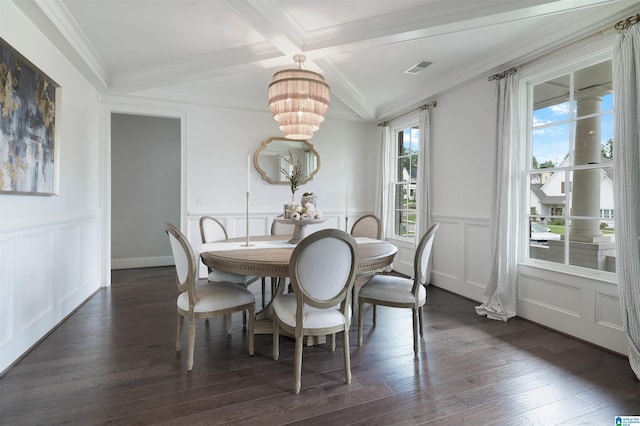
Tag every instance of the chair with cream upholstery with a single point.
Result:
(278, 228)
(322, 271)
(212, 230)
(367, 226)
(400, 292)
(198, 299)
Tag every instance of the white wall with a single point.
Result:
(463, 187)
(50, 245)
(145, 164)
(218, 145)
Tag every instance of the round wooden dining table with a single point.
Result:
(269, 256)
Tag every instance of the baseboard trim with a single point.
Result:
(141, 262)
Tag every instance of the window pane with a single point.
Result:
(591, 84)
(551, 101)
(411, 142)
(405, 223)
(546, 241)
(547, 194)
(550, 146)
(606, 137)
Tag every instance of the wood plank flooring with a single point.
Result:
(114, 362)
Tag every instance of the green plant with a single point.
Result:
(295, 176)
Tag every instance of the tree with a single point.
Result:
(547, 164)
(607, 149)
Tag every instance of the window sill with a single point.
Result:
(533, 267)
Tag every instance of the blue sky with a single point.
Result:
(411, 140)
(551, 130)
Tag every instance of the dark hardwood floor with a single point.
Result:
(114, 362)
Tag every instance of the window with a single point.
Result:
(406, 169)
(570, 171)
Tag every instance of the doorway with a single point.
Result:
(145, 188)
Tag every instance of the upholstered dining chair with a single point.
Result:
(211, 230)
(322, 271)
(279, 228)
(198, 299)
(400, 292)
(367, 226)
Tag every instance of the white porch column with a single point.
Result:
(585, 197)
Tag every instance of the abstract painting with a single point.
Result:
(27, 126)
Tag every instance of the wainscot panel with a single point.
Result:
(48, 267)
(580, 306)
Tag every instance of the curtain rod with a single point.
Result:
(420, 108)
(620, 25)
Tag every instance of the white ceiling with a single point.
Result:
(224, 52)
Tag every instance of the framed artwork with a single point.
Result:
(28, 110)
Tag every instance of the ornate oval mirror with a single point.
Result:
(277, 153)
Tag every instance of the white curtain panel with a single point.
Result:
(423, 207)
(500, 294)
(626, 158)
(384, 208)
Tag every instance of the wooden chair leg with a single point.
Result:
(227, 320)
(179, 334)
(244, 319)
(276, 339)
(252, 317)
(297, 370)
(360, 321)
(347, 356)
(192, 343)
(415, 330)
(264, 294)
(374, 314)
(333, 342)
(421, 321)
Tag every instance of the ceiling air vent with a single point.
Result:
(418, 67)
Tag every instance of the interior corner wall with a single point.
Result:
(145, 189)
(50, 246)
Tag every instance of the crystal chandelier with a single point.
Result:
(299, 100)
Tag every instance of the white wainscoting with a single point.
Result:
(462, 254)
(584, 307)
(48, 267)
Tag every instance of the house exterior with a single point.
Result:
(548, 193)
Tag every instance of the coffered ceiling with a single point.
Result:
(224, 52)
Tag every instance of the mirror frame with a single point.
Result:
(264, 145)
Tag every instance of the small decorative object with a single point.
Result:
(290, 209)
(309, 197)
(308, 212)
(294, 174)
